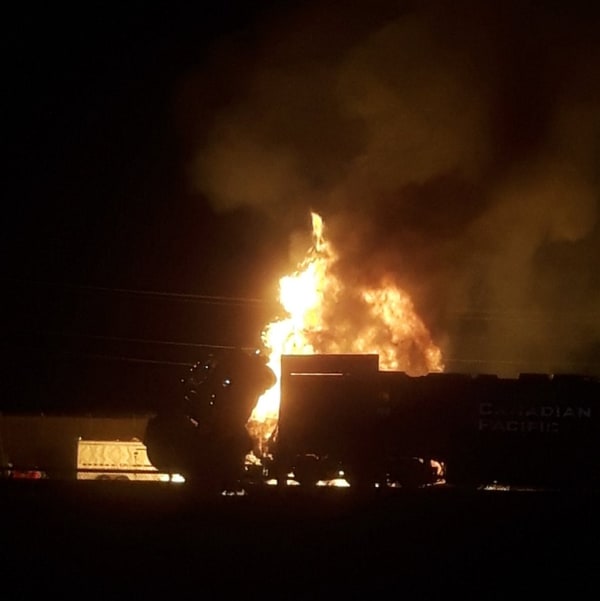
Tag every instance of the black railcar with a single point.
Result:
(533, 430)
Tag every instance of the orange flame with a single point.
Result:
(324, 316)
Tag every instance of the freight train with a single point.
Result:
(341, 414)
(538, 430)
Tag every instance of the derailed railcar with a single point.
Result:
(534, 430)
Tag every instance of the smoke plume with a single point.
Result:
(453, 147)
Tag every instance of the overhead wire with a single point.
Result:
(235, 301)
(104, 337)
(185, 296)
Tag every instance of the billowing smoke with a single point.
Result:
(452, 146)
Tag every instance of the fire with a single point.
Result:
(324, 316)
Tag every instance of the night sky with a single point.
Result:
(163, 159)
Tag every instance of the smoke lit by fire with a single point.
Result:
(451, 145)
(323, 315)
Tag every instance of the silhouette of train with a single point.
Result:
(340, 413)
(535, 430)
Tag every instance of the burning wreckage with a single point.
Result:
(339, 414)
(352, 390)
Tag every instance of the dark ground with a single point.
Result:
(146, 540)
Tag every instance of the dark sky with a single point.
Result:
(98, 190)
(179, 147)
(98, 206)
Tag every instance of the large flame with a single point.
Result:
(324, 316)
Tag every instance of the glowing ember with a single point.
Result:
(325, 317)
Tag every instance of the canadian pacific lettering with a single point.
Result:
(529, 418)
(514, 425)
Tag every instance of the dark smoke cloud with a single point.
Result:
(452, 146)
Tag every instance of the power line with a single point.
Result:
(201, 298)
(109, 357)
(120, 357)
(127, 359)
(133, 340)
(527, 316)
(525, 365)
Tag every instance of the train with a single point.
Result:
(342, 419)
(534, 430)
